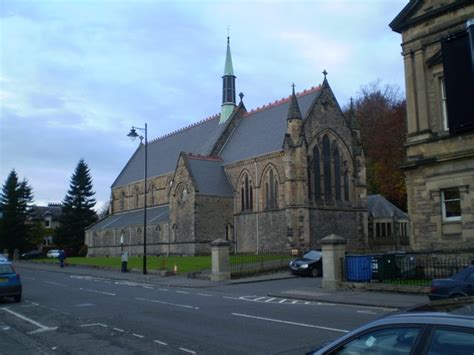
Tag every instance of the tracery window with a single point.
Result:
(317, 173)
(246, 194)
(327, 168)
(122, 201)
(337, 174)
(271, 190)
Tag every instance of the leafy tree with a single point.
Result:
(16, 199)
(381, 112)
(77, 211)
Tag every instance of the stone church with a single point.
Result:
(280, 176)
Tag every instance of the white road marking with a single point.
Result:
(149, 287)
(187, 351)
(41, 327)
(290, 323)
(167, 303)
(84, 305)
(162, 289)
(5, 328)
(55, 283)
(269, 300)
(95, 291)
(367, 312)
(138, 335)
(204, 294)
(119, 330)
(283, 300)
(160, 342)
(184, 292)
(94, 325)
(28, 278)
(259, 298)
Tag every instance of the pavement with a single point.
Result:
(308, 293)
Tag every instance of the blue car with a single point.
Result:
(10, 284)
(458, 285)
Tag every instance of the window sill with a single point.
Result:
(454, 221)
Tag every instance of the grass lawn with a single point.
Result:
(183, 263)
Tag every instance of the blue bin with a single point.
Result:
(358, 268)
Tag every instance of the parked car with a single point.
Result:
(10, 284)
(439, 327)
(310, 264)
(3, 258)
(53, 253)
(33, 254)
(458, 285)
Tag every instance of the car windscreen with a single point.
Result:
(313, 255)
(6, 269)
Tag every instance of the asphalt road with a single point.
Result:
(71, 313)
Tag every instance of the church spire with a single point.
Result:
(294, 112)
(228, 87)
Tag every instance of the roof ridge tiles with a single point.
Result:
(204, 157)
(283, 100)
(179, 130)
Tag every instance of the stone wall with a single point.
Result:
(212, 215)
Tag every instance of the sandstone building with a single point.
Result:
(280, 176)
(438, 53)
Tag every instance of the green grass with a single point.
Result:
(183, 263)
(409, 282)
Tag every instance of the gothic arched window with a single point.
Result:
(151, 192)
(337, 174)
(137, 196)
(346, 185)
(317, 173)
(271, 190)
(246, 195)
(122, 201)
(327, 168)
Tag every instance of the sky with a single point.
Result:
(76, 75)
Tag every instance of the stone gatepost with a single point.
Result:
(220, 260)
(334, 249)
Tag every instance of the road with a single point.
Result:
(72, 313)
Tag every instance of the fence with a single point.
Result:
(245, 264)
(417, 270)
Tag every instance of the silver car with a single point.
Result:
(440, 327)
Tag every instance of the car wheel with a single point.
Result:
(315, 272)
(17, 298)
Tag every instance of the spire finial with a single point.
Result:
(352, 103)
(241, 95)
(293, 86)
(228, 35)
(294, 112)
(325, 73)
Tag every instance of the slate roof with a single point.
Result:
(262, 131)
(40, 212)
(163, 152)
(155, 215)
(380, 207)
(209, 176)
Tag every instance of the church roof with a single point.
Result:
(155, 215)
(262, 130)
(209, 176)
(379, 207)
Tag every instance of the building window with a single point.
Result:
(151, 191)
(271, 190)
(122, 201)
(317, 174)
(327, 169)
(137, 195)
(47, 223)
(246, 195)
(383, 229)
(346, 185)
(451, 204)
(444, 110)
(337, 174)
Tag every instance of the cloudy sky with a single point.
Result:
(75, 75)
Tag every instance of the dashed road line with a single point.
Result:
(367, 312)
(269, 300)
(160, 342)
(55, 283)
(183, 292)
(204, 294)
(162, 289)
(138, 335)
(95, 291)
(290, 323)
(149, 287)
(187, 351)
(119, 330)
(167, 303)
(94, 325)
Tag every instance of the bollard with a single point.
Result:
(124, 261)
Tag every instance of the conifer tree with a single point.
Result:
(16, 199)
(77, 210)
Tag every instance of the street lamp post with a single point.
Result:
(133, 135)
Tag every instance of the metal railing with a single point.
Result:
(245, 264)
(415, 270)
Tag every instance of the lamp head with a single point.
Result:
(132, 134)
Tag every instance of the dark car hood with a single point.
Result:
(302, 261)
